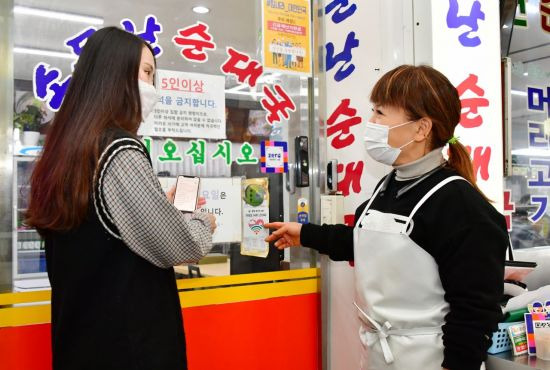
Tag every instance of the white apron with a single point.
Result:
(398, 292)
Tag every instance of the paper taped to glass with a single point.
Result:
(255, 198)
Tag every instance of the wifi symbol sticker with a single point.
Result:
(256, 226)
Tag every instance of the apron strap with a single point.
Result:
(427, 196)
(510, 249)
(383, 185)
(382, 332)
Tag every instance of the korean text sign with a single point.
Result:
(464, 31)
(286, 34)
(190, 105)
(223, 200)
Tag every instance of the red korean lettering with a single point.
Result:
(509, 208)
(194, 40)
(545, 15)
(349, 220)
(250, 69)
(341, 129)
(469, 117)
(352, 177)
(277, 107)
(480, 161)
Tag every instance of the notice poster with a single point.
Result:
(286, 32)
(223, 200)
(190, 105)
(255, 201)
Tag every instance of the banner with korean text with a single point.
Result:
(464, 31)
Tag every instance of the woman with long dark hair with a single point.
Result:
(111, 235)
(428, 246)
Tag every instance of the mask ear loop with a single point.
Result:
(401, 124)
(404, 145)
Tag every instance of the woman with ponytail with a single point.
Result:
(428, 247)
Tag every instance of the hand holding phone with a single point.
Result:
(187, 193)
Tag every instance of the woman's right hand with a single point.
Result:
(286, 234)
(212, 220)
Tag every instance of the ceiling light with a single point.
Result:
(532, 152)
(47, 53)
(532, 8)
(201, 9)
(520, 93)
(236, 88)
(526, 73)
(57, 15)
(249, 93)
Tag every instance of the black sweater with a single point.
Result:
(467, 238)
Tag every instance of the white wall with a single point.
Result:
(384, 31)
(391, 33)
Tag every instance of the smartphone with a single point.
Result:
(187, 193)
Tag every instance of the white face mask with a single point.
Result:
(376, 143)
(149, 98)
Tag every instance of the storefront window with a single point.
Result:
(529, 180)
(216, 118)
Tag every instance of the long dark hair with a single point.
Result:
(422, 91)
(103, 95)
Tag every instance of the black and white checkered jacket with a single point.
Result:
(132, 206)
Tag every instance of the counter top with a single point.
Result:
(507, 361)
(211, 269)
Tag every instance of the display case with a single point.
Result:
(29, 259)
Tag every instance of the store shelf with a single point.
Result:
(40, 282)
(25, 152)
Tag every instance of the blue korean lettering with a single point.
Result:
(42, 79)
(345, 56)
(59, 90)
(149, 34)
(456, 21)
(339, 14)
(542, 202)
(48, 87)
(537, 136)
(537, 101)
(543, 175)
(76, 42)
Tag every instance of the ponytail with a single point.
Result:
(460, 161)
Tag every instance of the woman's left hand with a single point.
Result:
(172, 192)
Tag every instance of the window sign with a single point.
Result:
(190, 105)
